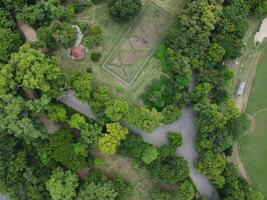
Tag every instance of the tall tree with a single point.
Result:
(62, 184)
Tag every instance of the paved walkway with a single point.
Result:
(185, 125)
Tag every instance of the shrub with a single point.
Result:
(175, 139)
(124, 10)
(95, 56)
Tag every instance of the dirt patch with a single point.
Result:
(130, 171)
(259, 37)
(28, 32)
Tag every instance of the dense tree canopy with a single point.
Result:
(62, 184)
(124, 9)
(33, 70)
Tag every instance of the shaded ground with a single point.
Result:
(130, 171)
(28, 32)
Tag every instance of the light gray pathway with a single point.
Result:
(185, 125)
(70, 99)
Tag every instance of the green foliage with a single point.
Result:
(95, 56)
(109, 142)
(6, 20)
(215, 54)
(236, 188)
(44, 12)
(77, 121)
(133, 146)
(169, 169)
(238, 126)
(175, 139)
(64, 33)
(185, 191)
(117, 109)
(14, 121)
(232, 27)
(124, 10)
(123, 189)
(7, 82)
(212, 165)
(10, 42)
(159, 93)
(97, 191)
(170, 114)
(161, 195)
(161, 55)
(62, 148)
(150, 154)
(151, 119)
(45, 37)
(33, 70)
(57, 112)
(81, 83)
(90, 133)
(62, 184)
(209, 117)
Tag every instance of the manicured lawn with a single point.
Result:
(253, 146)
(258, 94)
(254, 153)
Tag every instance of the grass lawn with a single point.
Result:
(258, 94)
(127, 64)
(253, 146)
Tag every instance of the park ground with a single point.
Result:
(251, 153)
(253, 146)
(128, 61)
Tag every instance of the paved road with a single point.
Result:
(72, 101)
(185, 125)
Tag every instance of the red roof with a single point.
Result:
(77, 53)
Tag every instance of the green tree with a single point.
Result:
(170, 114)
(14, 121)
(7, 82)
(34, 70)
(57, 112)
(117, 109)
(185, 191)
(62, 148)
(124, 9)
(97, 191)
(159, 93)
(62, 184)
(109, 142)
(175, 139)
(149, 154)
(212, 165)
(161, 195)
(64, 33)
(77, 121)
(81, 83)
(215, 54)
(169, 169)
(10, 42)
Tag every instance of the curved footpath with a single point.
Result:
(184, 124)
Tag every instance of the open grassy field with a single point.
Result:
(128, 61)
(253, 146)
(251, 66)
